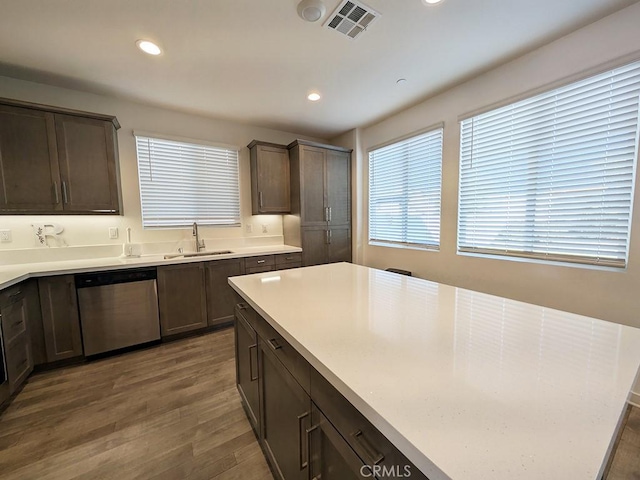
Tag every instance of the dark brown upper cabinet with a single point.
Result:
(57, 161)
(269, 178)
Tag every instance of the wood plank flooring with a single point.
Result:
(168, 412)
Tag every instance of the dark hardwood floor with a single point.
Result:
(168, 412)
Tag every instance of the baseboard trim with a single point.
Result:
(634, 399)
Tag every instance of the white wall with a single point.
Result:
(606, 294)
(93, 229)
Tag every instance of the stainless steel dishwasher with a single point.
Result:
(118, 309)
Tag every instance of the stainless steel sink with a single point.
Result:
(196, 254)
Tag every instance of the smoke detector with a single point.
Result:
(351, 18)
(311, 10)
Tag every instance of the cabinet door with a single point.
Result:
(221, 298)
(60, 319)
(34, 318)
(182, 295)
(339, 187)
(285, 410)
(29, 178)
(312, 191)
(331, 456)
(87, 153)
(314, 246)
(19, 361)
(339, 244)
(270, 174)
(247, 369)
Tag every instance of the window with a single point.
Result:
(551, 177)
(182, 183)
(404, 192)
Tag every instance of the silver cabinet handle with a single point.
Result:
(15, 294)
(252, 348)
(329, 214)
(65, 197)
(302, 450)
(376, 457)
(261, 261)
(330, 234)
(55, 192)
(326, 237)
(309, 432)
(273, 343)
(326, 214)
(260, 199)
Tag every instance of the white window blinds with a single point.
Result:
(182, 183)
(404, 192)
(552, 176)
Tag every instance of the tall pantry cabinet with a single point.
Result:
(320, 219)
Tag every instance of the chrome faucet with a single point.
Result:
(199, 243)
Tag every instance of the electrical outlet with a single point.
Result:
(248, 228)
(5, 236)
(265, 228)
(113, 233)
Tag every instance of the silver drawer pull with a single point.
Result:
(15, 324)
(261, 261)
(14, 295)
(374, 456)
(273, 343)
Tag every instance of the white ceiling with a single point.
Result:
(254, 61)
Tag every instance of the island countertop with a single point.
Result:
(467, 385)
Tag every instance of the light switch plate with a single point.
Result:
(5, 236)
(113, 233)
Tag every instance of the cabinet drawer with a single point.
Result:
(365, 439)
(14, 320)
(288, 258)
(19, 362)
(11, 294)
(262, 261)
(265, 268)
(290, 358)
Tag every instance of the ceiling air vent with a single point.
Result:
(351, 18)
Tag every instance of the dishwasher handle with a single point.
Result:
(112, 277)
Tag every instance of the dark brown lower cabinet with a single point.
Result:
(182, 297)
(331, 457)
(221, 298)
(326, 245)
(60, 319)
(285, 411)
(15, 337)
(247, 368)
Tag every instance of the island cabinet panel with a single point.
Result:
(28, 161)
(221, 298)
(60, 318)
(247, 367)
(285, 416)
(182, 297)
(333, 458)
(87, 154)
(270, 183)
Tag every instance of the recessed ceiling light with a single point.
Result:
(431, 2)
(148, 47)
(314, 96)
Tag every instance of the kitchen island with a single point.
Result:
(466, 385)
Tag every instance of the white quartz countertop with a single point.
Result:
(468, 386)
(12, 274)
